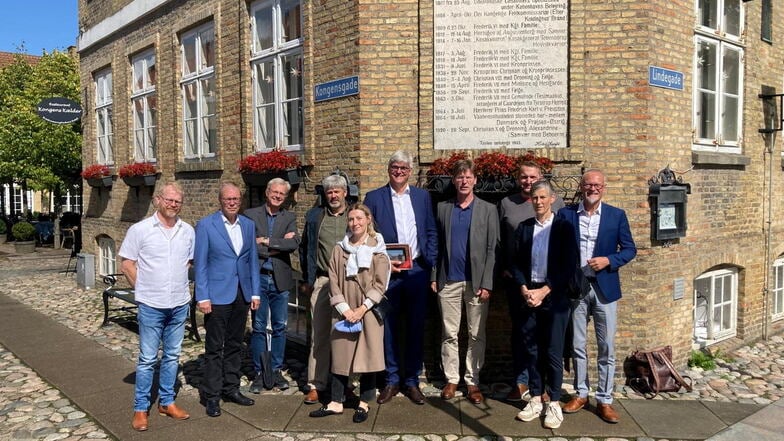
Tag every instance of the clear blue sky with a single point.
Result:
(39, 24)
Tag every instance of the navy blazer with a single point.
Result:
(614, 241)
(380, 203)
(562, 258)
(218, 269)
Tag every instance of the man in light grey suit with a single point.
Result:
(464, 274)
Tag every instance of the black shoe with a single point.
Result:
(237, 397)
(323, 412)
(360, 415)
(258, 384)
(213, 408)
(280, 382)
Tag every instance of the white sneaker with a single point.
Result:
(554, 417)
(532, 410)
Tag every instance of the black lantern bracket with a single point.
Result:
(668, 198)
(773, 122)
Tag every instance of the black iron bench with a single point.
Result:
(127, 295)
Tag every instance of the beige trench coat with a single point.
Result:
(363, 351)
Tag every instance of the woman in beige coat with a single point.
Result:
(358, 277)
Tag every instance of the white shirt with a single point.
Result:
(405, 221)
(540, 248)
(235, 233)
(589, 230)
(162, 256)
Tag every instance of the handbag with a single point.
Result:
(381, 309)
(650, 372)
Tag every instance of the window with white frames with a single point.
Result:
(198, 92)
(103, 116)
(71, 200)
(718, 76)
(144, 105)
(777, 311)
(107, 259)
(715, 305)
(276, 64)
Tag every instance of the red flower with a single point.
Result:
(273, 160)
(137, 169)
(495, 164)
(443, 166)
(96, 171)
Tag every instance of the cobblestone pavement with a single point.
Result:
(31, 409)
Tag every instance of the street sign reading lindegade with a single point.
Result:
(336, 89)
(666, 78)
(59, 110)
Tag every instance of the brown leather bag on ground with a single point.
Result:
(651, 372)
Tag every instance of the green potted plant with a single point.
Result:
(98, 175)
(258, 168)
(24, 237)
(3, 231)
(139, 174)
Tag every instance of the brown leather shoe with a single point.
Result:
(312, 396)
(475, 395)
(574, 405)
(139, 422)
(173, 411)
(607, 413)
(448, 392)
(387, 393)
(517, 393)
(415, 395)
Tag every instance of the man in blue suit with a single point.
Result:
(605, 243)
(404, 214)
(226, 265)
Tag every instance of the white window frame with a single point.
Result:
(107, 256)
(725, 42)
(103, 112)
(713, 306)
(144, 108)
(777, 293)
(71, 200)
(204, 142)
(276, 54)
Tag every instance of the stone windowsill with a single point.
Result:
(716, 158)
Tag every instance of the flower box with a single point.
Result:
(101, 182)
(291, 175)
(140, 180)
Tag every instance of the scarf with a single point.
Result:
(361, 256)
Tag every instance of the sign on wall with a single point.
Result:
(500, 74)
(59, 110)
(666, 78)
(336, 89)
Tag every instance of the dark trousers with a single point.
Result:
(543, 332)
(408, 295)
(225, 327)
(367, 387)
(515, 301)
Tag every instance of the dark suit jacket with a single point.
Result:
(614, 241)
(380, 203)
(285, 222)
(562, 257)
(218, 269)
(482, 243)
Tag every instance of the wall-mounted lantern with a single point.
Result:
(667, 196)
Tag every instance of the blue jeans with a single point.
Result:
(274, 306)
(165, 325)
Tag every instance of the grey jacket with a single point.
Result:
(281, 262)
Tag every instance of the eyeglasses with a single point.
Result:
(174, 202)
(593, 186)
(402, 168)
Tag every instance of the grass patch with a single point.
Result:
(702, 360)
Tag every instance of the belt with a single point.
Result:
(266, 272)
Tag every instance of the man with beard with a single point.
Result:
(605, 241)
(325, 226)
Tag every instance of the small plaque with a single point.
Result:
(400, 255)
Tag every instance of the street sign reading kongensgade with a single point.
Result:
(59, 110)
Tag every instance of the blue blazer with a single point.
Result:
(614, 241)
(380, 203)
(562, 257)
(218, 269)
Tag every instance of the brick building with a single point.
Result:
(195, 86)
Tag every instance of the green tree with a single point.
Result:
(35, 153)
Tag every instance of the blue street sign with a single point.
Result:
(336, 89)
(666, 78)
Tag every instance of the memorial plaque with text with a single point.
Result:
(500, 74)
